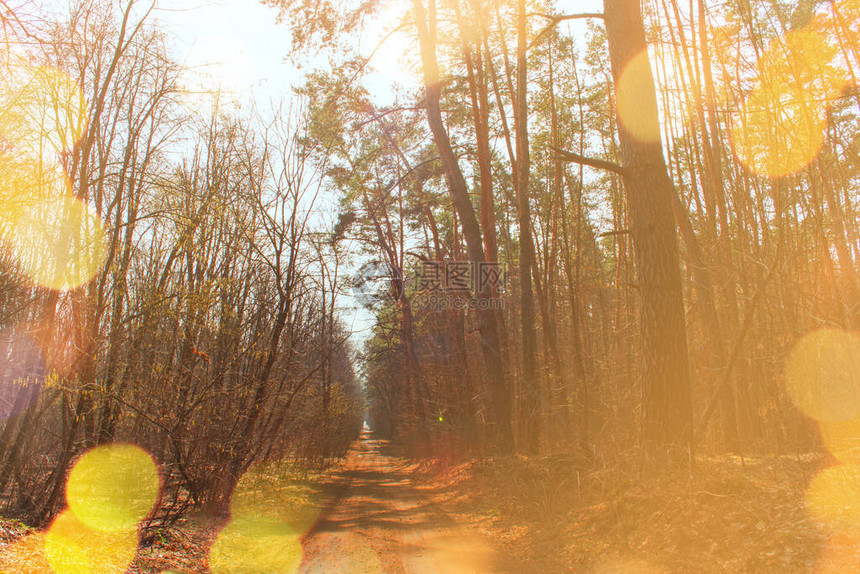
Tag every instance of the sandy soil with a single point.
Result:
(382, 520)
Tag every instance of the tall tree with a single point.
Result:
(425, 21)
(531, 385)
(667, 410)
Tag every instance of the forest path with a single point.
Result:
(383, 521)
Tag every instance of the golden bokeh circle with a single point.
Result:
(44, 112)
(823, 375)
(636, 79)
(256, 544)
(833, 498)
(73, 548)
(113, 488)
(58, 240)
(268, 491)
(778, 131)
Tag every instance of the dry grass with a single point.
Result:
(549, 515)
(283, 491)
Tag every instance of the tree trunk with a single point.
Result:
(502, 441)
(530, 405)
(667, 411)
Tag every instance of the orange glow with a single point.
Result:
(256, 544)
(780, 128)
(25, 556)
(72, 548)
(833, 498)
(112, 488)
(806, 60)
(823, 375)
(58, 240)
(634, 81)
(841, 554)
(43, 115)
(778, 131)
(842, 439)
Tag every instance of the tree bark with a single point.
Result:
(530, 402)
(502, 441)
(667, 411)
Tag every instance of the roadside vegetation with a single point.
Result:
(605, 263)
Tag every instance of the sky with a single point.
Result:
(240, 45)
(236, 43)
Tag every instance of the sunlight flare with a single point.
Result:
(781, 126)
(58, 240)
(44, 113)
(268, 490)
(823, 375)
(73, 548)
(833, 498)
(113, 488)
(256, 544)
(270, 512)
(636, 79)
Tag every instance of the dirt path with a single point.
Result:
(382, 521)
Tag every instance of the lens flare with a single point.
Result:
(22, 372)
(780, 128)
(73, 548)
(841, 554)
(808, 61)
(833, 498)
(842, 439)
(25, 556)
(112, 488)
(778, 131)
(270, 512)
(823, 375)
(44, 115)
(636, 79)
(269, 490)
(256, 544)
(58, 240)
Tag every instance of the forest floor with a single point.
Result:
(379, 513)
(728, 515)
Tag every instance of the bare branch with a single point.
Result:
(598, 163)
(555, 21)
